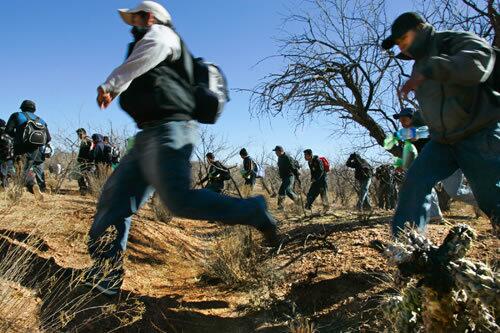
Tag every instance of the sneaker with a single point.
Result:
(108, 283)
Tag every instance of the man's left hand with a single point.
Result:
(412, 84)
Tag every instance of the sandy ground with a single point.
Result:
(328, 270)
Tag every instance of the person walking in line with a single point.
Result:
(363, 173)
(31, 136)
(288, 169)
(410, 118)
(154, 85)
(249, 173)
(319, 180)
(84, 160)
(216, 176)
(7, 170)
(455, 80)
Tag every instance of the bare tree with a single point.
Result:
(334, 67)
(479, 16)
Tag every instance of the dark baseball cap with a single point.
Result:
(28, 105)
(404, 23)
(406, 112)
(278, 148)
(81, 130)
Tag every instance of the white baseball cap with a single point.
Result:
(158, 11)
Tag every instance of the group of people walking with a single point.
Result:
(156, 86)
(96, 154)
(24, 146)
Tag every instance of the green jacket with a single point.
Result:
(455, 101)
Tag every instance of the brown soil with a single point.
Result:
(331, 273)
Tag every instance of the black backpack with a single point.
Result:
(33, 133)
(210, 91)
(6, 147)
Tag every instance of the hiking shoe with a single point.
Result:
(108, 283)
(271, 238)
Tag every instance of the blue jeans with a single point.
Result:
(286, 188)
(479, 158)
(434, 209)
(160, 160)
(364, 194)
(457, 190)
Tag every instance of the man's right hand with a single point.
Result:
(104, 99)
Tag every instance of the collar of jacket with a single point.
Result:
(420, 46)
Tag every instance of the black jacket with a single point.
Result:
(249, 170)
(317, 169)
(362, 170)
(217, 173)
(164, 93)
(84, 155)
(287, 166)
(98, 154)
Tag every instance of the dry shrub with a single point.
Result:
(302, 325)
(236, 261)
(14, 192)
(161, 212)
(37, 295)
(98, 178)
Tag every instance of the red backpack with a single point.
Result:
(326, 164)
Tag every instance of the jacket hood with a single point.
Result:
(420, 45)
(97, 137)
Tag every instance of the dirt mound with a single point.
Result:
(328, 271)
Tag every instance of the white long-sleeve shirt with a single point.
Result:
(158, 43)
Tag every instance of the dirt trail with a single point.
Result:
(331, 272)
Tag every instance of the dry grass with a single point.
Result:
(302, 325)
(236, 261)
(36, 293)
(98, 178)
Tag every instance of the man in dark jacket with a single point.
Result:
(33, 156)
(154, 85)
(387, 188)
(319, 181)
(216, 176)
(452, 81)
(85, 160)
(7, 170)
(363, 174)
(99, 153)
(248, 173)
(288, 170)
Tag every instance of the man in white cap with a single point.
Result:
(154, 84)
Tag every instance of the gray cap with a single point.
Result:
(278, 148)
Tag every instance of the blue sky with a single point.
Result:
(57, 52)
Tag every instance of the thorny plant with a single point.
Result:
(441, 291)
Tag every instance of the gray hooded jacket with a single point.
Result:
(455, 100)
